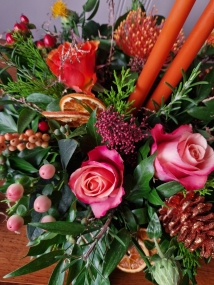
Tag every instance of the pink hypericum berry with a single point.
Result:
(48, 219)
(47, 171)
(14, 223)
(9, 39)
(14, 192)
(49, 40)
(43, 126)
(40, 44)
(24, 19)
(42, 204)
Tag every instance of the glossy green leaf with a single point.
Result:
(57, 276)
(90, 29)
(91, 129)
(116, 252)
(65, 200)
(42, 246)
(129, 219)
(204, 90)
(89, 5)
(34, 156)
(141, 215)
(37, 264)
(67, 148)
(21, 164)
(75, 267)
(59, 227)
(25, 118)
(168, 189)
(154, 227)
(144, 172)
(39, 98)
(144, 150)
(94, 12)
(7, 123)
(154, 198)
(204, 113)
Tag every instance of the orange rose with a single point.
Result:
(75, 66)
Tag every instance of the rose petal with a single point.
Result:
(100, 209)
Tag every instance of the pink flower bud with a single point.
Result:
(9, 39)
(40, 44)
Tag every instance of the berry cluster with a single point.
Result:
(29, 139)
(41, 204)
(23, 28)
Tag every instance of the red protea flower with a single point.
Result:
(137, 35)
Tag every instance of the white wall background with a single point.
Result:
(39, 12)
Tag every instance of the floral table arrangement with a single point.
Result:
(106, 142)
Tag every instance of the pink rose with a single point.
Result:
(182, 156)
(99, 180)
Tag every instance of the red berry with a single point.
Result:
(24, 28)
(42, 204)
(47, 171)
(24, 19)
(43, 126)
(17, 28)
(14, 223)
(40, 44)
(48, 219)
(9, 39)
(49, 40)
(14, 192)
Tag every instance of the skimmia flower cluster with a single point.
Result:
(97, 183)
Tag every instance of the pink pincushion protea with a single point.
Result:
(137, 35)
(98, 182)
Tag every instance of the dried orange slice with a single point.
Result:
(73, 119)
(142, 235)
(72, 102)
(131, 261)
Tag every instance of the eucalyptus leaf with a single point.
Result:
(37, 264)
(59, 227)
(53, 106)
(116, 252)
(154, 227)
(65, 200)
(67, 148)
(25, 118)
(57, 276)
(7, 123)
(39, 98)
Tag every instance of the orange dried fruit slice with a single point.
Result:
(73, 119)
(72, 102)
(142, 234)
(132, 261)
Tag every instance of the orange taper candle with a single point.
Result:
(185, 56)
(161, 49)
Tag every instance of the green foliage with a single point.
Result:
(124, 85)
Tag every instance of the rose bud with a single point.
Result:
(9, 39)
(49, 41)
(24, 19)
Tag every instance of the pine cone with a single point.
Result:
(190, 219)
